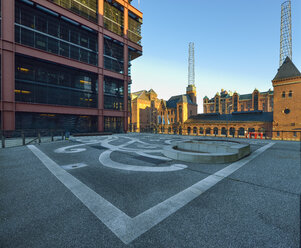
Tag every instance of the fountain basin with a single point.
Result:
(207, 151)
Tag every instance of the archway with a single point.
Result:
(215, 131)
(195, 130)
(208, 130)
(241, 131)
(224, 131)
(188, 130)
(201, 130)
(232, 131)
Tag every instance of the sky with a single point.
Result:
(237, 45)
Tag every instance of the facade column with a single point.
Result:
(8, 66)
(100, 117)
(100, 104)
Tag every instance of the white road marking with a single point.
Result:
(124, 227)
(106, 160)
(74, 166)
(73, 149)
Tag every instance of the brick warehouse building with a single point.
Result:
(151, 114)
(65, 64)
(227, 102)
(283, 123)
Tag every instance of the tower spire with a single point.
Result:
(285, 32)
(191, 74)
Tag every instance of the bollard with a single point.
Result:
(23, 139)
(39, 137)
(51, 136)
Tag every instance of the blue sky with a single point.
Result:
(237, 44)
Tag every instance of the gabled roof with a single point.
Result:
(235, 117)
(287, 70)
(172, 102)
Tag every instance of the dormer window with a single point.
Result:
(283, 94)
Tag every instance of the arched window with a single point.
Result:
(283, 94)
(188, 130)
(241, 131)
(290, 93)
(232, 131)
(208, 130)
(224, 131)
(201, 130)
(215, 131)
(195, 130)
(251, 129)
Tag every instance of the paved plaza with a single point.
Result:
(121, 191)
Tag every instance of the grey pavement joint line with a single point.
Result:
(124, 227)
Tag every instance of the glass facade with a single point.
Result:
(133, 54)
(38, 81)
(84, 8)
(113, 55)
(113, 18)
(134, 31)
(43, 29)
(113, 124)
(113, 93)
(71, 123)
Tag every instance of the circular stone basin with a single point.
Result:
(207, 151)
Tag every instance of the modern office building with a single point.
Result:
(65, 64)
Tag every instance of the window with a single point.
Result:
(201, 130)
(113, 93)
(224, 131)
(235, 103)
(256, 101)
(278, 133)
(290, 94)
(113, 56)
(287, 111)
(84, 8)
(216, 105)
(295, 134)
(38, 81)
(113, 17)
(188, 130)
(57, 122)
(47, 31)
(283, 94)
(215, 131)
